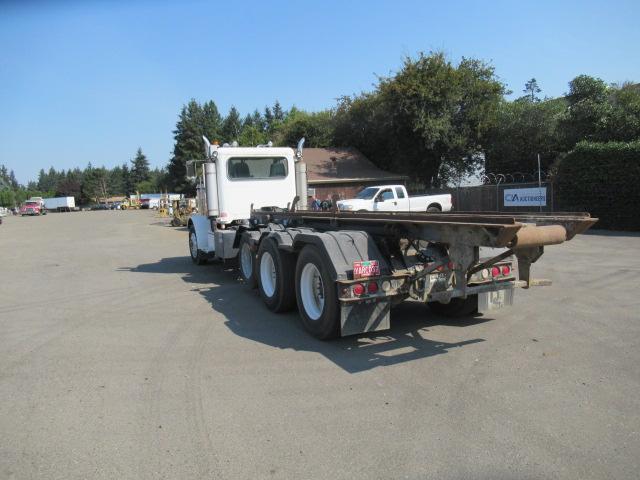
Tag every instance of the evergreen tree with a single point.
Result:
(247, 122)
(232, 126)
(278, 113)
(127, 187)
(188, 146)
(139, 168)
(116, 181)
(257, 120)
(211, 121)
(42, 179)
(268, 119)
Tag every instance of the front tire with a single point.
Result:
(197, 256)
(275, 276)
(317, 296)
(247, 262)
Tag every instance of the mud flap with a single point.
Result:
(489, 301)
(366, 316)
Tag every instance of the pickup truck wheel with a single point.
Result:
(275, 276)
(197, 256)
(317, 295)
(247, 262)
(434, 209)
(457, 307)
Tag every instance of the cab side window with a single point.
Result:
(385, 195)
(399, 192)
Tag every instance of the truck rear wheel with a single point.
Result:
(317, 296)
(197, 255)
(457, 307)
(275, 276)
(247, 262)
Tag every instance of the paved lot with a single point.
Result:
(121, 359)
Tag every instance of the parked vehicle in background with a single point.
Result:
(33, 206)
(394, 198)
(3, 212)
(60, 204)
(100, 206)
(145, 203)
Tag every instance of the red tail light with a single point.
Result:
(495, 271)
(506, 270)
(358, 289)
(372, 287)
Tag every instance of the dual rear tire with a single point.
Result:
(275, 276)
(284, 281)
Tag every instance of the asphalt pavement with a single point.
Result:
(119, 358)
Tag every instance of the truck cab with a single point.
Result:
(33, 206)
(228, 184)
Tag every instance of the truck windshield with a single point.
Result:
(245, 168)
(368, 193)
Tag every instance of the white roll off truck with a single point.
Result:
(344, 270)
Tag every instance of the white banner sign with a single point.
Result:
(525, 197)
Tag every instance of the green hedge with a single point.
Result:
(604, 180)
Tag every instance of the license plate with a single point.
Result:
(366, 268)
(495, 300)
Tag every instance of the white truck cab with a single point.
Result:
(231, 181)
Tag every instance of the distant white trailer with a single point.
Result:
(60, 204)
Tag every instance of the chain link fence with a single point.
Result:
(512, 192)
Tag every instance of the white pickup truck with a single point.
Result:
(394, 198)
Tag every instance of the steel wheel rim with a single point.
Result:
(246, 261)
(268, 274)
(193, 244)
(312, 291)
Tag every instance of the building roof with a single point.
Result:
(342, 165)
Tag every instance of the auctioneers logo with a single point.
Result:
(525, 197)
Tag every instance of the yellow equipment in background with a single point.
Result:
(182, 209)
(131, 203)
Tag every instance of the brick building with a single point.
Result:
(343, 172)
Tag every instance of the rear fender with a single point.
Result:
(341, 249)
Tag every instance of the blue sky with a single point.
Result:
(84, 81)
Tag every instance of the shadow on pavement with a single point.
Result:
(246, 316)
(611, 233)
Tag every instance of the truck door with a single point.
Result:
(385, 201)
(402, 199)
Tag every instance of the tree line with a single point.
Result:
(434, 120)
(91, 184)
